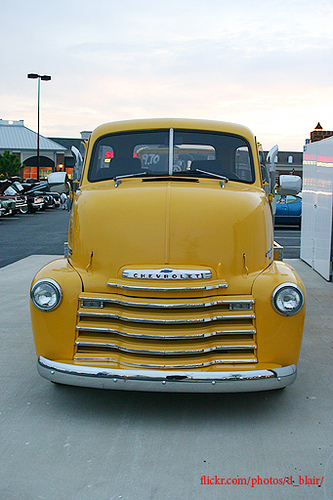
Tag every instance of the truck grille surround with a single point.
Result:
(165, 328)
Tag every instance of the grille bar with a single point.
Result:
(87, 302)
(174, 352)
(111, 316)
(150, 336)
(173, 366)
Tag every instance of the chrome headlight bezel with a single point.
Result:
(277, 298)
(53, 288)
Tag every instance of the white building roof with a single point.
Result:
(14, 136)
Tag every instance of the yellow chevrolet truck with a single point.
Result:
(170, 282)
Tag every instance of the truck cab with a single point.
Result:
(170, 282)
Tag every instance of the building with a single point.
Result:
(55, 155)
(318, 134)
(288, 162)
(22, 142)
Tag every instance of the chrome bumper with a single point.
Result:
(166, 381)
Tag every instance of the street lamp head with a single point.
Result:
(42, 77)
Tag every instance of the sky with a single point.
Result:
(263, 64)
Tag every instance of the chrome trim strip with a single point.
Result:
(168, 380)
(152, 352)
(167, 289)
(164, 337)
(155, 305)
(165, 321)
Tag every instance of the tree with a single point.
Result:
(10, 165)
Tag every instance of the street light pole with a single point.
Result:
(45, 78)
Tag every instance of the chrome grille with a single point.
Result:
(164, 331)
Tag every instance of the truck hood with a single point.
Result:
(179, 224)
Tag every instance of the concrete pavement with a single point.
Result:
(75, 444)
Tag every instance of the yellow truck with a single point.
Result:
(170, 282)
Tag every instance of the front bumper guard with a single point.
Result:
(166, 381)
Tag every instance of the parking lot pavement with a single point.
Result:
(77, 444)
(30, 234)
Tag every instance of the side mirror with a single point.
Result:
(270, 162)
(272, 154)
(289, 184)
(78, 165)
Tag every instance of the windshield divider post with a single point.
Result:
(171, 144)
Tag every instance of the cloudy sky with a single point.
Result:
(264, 64)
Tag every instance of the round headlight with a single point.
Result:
(288, 299)
(46, 294)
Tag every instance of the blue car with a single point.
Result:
(288, 209)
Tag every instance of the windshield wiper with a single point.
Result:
(119, 178)
(203, 172)
(193, 173)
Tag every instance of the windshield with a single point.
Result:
(194, 153)
(10, 191)
(18, 186)
(40, 187)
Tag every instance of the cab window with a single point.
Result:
(195, 153)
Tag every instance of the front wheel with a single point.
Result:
(24, 209)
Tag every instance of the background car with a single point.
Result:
(7, 206)
(50, 199)
(7, 192)
(288, 209)
(34, 202)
